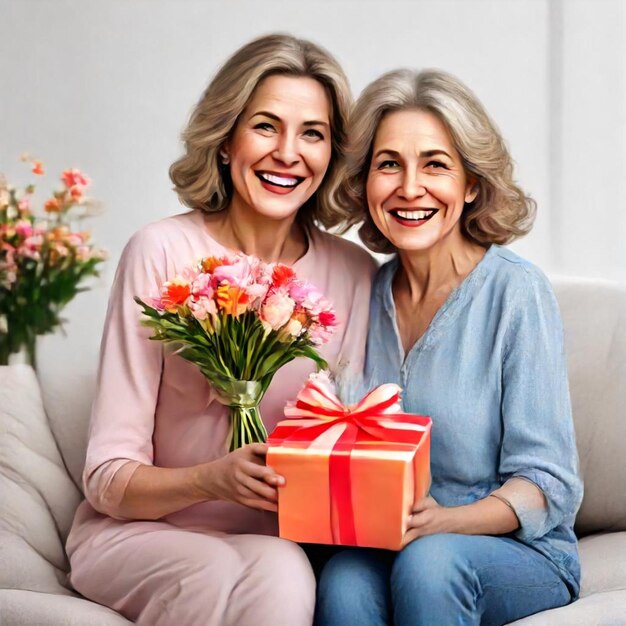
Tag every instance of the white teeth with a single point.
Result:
(415, 215)
(279, 180)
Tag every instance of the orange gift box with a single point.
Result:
(352, 473)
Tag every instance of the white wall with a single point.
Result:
(107, 87)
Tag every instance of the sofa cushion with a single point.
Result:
(594, 320)
(600, 609)
(602, 588)
(25, 608)
(38, 496)
(603, 564)
(66, 368)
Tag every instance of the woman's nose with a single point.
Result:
(411, 186)
(286, 150)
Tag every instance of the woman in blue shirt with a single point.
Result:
(472, 333)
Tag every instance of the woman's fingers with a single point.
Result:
(249, 498)
(264, 473)
(257, 485)
(425, 503)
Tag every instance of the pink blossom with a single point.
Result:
(83, 253)
(60, 249)
(277, 310)
(23, 204)
(73, 177)
(235, 271)
(74, 240)
(299, 290)
(202, 308)
(34, 241)
(257, 291)
(23, 228)
(202, 286)
(77, 192)
(319, 334)
(29, 253)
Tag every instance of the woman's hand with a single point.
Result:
(242, 476)
(427, 518)
(489, 516)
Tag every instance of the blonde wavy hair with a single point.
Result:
(501, 211)
(200, 179)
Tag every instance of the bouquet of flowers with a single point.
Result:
(43, 262)
(240, 320)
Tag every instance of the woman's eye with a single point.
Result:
(388, 164)
(313, 134)
(436, 164)
(264, 126)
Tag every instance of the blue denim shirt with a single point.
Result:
(490, 371)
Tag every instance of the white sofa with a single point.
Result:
(41, 456)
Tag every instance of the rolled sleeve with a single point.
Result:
(538, 436)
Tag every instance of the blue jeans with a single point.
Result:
(439, 580)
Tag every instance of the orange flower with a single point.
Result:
(52, 206)
(38, 168)
(281, 275)
(231, 300)
(174, 293)
(210, 263)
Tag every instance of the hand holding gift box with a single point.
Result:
(352, 472)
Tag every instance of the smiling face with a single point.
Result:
(281, 146)
(416, 185)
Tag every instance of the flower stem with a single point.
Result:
(247, 426)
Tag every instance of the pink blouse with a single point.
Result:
(153, 407)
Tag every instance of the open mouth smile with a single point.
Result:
(278, 183)
(413, 217)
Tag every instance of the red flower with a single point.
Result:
(281, 275)
(327, 318)
(38, 168)
(174, 293)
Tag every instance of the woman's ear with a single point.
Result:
(471, 190)
(224, 156)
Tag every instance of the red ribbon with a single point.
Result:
(363, 423)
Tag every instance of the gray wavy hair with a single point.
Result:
(501, 211)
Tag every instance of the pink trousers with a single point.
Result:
(156, 574)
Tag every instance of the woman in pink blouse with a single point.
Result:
(174, 530)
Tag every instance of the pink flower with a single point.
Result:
(23, 204)
(235, 271)
(257, 292)
(277, 310)
(300, 290)
(202, 286)
(77, 192)
(74, 240)
(23, 228)
(73, 177)
(319, 334)
(202, 308)
(83, 253)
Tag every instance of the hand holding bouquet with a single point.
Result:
(240, 320)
